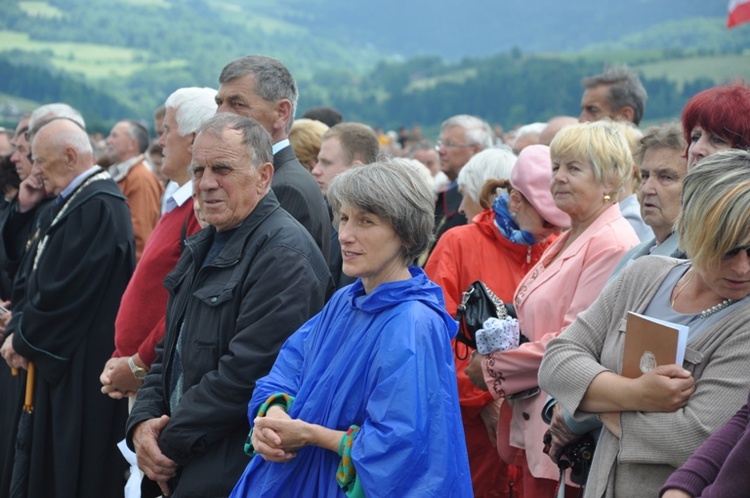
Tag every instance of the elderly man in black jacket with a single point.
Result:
(240, 289)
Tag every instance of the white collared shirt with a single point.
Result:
(180, 196)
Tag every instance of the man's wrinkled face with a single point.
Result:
(662, 171)
(226, 184)
(177, 150)
(20, 156)
(51, 163)
(121, 145)
(455, 151)
(238, 96)
(595, 104)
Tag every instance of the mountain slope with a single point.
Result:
(136, 52)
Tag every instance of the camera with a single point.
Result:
(577, 457)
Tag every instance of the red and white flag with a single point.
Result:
(739, 12)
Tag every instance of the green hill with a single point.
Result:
(123, 57)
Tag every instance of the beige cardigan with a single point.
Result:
(652, 444)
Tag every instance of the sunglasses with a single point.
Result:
(734, 252)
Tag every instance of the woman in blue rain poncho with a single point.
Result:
(362, 399)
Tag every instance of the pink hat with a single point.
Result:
(531, 175)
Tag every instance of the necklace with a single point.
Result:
(709, 311)
(715, 309)
(690, 277)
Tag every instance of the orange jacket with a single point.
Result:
(478, 251)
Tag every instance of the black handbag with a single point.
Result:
(478, 303)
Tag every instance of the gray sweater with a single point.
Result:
(652, 444)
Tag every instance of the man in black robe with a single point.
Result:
(79, 269)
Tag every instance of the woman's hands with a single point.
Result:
(474, 371)
(560, 432)
(277, 437)
(664, 389)
(267, 435)
(489, 415)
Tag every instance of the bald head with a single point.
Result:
(61, 151)
(553, 126)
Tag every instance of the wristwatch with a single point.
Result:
(138, 372)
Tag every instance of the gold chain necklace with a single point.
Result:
(676, 294)
(709, 311)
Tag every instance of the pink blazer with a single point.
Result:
(547, 300)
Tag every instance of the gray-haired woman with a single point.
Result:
(362, 399)
(654, 422)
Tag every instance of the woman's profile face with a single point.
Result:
(370, 247)
(574, 188)
(469, 207)
(529, 220)
(704, 143)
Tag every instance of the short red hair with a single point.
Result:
(723, 111)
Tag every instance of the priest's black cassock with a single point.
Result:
(79, 270)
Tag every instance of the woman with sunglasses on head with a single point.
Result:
(654, 422)
(590, 162)
(504, 241)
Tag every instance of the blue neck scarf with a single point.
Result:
(507, 226)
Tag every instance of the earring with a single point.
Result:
(607, 198)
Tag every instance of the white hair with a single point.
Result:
(421, 169)
(490, 164)
(478, 132)
(193, 106)
(57, 110)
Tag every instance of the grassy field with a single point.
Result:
(629, 57)
(40, 9)
(92, 61)
(25, 104)
(455, 77)
(719, 68)
(652, 64)
(163, 4)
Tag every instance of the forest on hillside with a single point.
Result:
(122, 58)
(503, 90)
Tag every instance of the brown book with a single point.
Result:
(650, 342)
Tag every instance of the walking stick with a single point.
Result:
(28, 405)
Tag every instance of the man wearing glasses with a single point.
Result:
(461, 137)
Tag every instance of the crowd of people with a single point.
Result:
(252, 305)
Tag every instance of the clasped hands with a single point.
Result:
(117, 379)
(277, 437)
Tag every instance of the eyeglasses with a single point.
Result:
(734, 252)
(448, 145)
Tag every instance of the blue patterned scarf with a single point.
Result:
(507, 226)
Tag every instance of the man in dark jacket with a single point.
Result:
(263, 89)
(241, 287)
